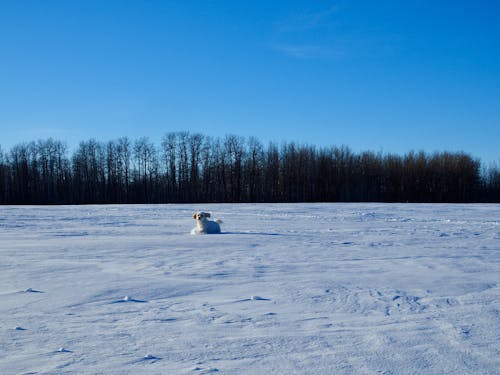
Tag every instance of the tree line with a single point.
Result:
(190, 168)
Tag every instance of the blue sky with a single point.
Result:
(389, 76)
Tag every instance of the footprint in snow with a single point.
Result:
(166, 320)
(63, 350)
(129, 299)
(148, 358)
(201, 370)
(252, 298)
(31, 290)
(258, 298)
(18, 328)
(466, 332)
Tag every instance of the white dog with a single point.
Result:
(205, 226)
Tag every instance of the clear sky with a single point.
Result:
(389, 76)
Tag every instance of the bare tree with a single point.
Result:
(234, 149)
(146, 174)
(4, 178)
(254, 169)
(195, 144)
(124, 151)
(169, 154)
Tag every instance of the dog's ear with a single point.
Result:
(207, 214)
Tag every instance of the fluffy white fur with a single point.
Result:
(204, 225)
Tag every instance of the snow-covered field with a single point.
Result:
(285, 289)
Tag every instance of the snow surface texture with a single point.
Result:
(285, 289)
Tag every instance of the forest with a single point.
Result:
(189, 168)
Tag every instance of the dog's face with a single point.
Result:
(202, 216)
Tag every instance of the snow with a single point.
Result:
(284, 289)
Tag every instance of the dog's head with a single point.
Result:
(202, 216)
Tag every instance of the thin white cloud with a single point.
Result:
(296, 36)
(303, 51)
(306, 20)
(323, 34)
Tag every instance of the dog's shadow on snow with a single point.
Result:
(254, 233)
